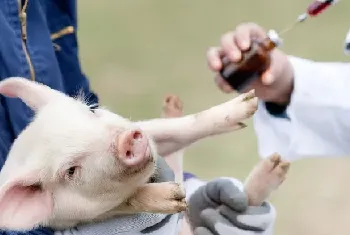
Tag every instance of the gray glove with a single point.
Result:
(164, 173)
(220, 207)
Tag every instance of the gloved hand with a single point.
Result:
(220, 207)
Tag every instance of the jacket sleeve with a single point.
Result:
(152, 224)
(39, 231)
(316, 122)
(68, 58)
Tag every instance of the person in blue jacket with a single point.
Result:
(39, 42)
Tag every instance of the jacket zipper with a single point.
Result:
(23, 19)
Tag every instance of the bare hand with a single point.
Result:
(274, 85)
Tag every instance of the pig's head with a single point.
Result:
(70, 164)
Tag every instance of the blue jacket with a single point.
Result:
(38, 41)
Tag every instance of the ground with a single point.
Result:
(137, 51)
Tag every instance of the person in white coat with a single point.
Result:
(304, 107)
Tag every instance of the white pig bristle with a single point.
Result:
(82, 97)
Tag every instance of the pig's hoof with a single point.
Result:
(177, 192)
(181, 206)
(247, 105)
(172, 106)
(266, 177)
(176, 200)
(248, 96)
(232, 113)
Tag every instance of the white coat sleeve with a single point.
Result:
(318, 123)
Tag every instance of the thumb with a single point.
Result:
(267, 78)
(202, 231)
(164, 172)
(224, 191)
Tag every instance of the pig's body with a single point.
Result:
(72, 165)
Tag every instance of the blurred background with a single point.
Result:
(135, 52)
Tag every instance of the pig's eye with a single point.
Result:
(71, 172)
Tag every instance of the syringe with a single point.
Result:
(314, 9)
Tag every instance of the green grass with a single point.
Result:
(137, 51)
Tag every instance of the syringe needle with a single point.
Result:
(301, 18)
(285, 30)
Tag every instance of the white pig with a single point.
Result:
(72, 165)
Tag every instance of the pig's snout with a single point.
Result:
(133, 148)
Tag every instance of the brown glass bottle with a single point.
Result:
(253, 63)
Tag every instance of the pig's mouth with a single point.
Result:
(145, 167)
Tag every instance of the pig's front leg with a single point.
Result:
(173, 134)
(165, 197)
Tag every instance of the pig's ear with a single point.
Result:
(33, 94)
(24, 203)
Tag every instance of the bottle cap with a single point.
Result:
(274, 37)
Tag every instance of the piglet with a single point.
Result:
(73, 165)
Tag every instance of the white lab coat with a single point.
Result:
(319, 113)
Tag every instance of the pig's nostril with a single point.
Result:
(137, 135)
(128, 153)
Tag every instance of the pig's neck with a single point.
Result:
(111, 213)
(61, 224)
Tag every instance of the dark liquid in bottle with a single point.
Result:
(253, 64)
